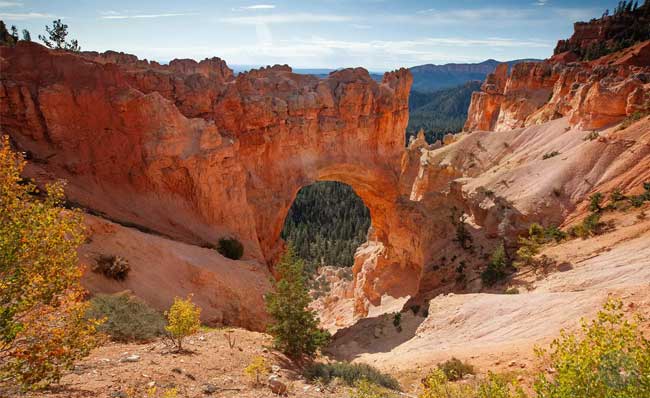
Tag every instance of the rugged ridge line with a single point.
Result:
(593, 95)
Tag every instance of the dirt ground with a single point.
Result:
(209, 365)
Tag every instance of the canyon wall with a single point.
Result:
(593, 95)
(193, 153)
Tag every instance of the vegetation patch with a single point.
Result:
(183, 319)
(610, 357)
(257, 371)
(43, 330)
(497, 269)
(455, 369)
(593, 135)
(463, 237)
(549, 155)
(126, 318)
(350, 373)
(440, 112)
(367, 389)
(230, 248)
(114, 267)
(294, 326)
(436, 385)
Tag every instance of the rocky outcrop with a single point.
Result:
(593, 95)
(605, 35)
(191, 152)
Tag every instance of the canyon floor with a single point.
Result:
(498, 332)
(492, 331)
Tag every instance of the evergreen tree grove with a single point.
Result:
(294, 326)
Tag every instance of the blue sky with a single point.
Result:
(376, 34)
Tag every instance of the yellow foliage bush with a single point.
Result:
(42, 325)
(609, 358)
(368, 389)
(436, 385)
(257, 370)
(183, 319)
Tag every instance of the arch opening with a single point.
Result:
(326, 223)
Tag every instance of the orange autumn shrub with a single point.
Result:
(42, 325)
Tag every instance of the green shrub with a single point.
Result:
(528, 249)
(549, 155)
(463, 237)
(610, 357)
(397, 321)
(536, 232)
(637, 200)
(454, 369)
(127, 318)
(554, 233)
(595, 201)
(592, 224)
(511, 290)
(230, 248)
(633, 118)
(592, 136)
(114, 267)
(497, 268)
(617, 195)
(350, 373)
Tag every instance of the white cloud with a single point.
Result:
(426, 11)
(489, 42)
(259, 7)
(285, 19)
(112, 15)
(489, 14)
(360, 26)
(27, 15)
(376, 54)
(10, 4)
(541, 3)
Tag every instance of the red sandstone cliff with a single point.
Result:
(592, 94)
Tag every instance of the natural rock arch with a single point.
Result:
(192, 152)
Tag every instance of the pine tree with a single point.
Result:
(294, 327)
(26, 35)
(57, 37)
(14, 33)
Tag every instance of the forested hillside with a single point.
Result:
(439, 112)
(326, 224)
(429, 78)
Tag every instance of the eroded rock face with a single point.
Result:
(191, 152)
(593, 96)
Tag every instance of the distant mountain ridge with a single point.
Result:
(430, 77)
